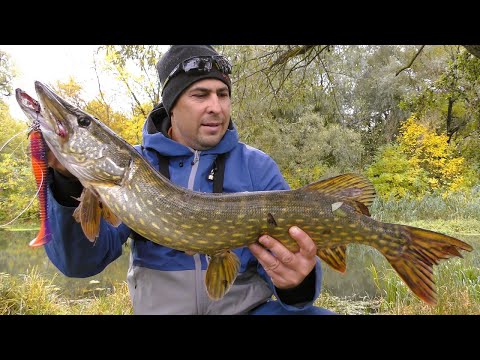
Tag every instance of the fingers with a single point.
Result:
(305, 242)
(272, 265)
(269, 262)
(281, 252)
(286, 268)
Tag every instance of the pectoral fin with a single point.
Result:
(221, 273)
(334, 257)
(88, 214)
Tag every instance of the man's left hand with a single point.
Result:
(285, 268)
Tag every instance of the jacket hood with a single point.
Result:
(155, 136)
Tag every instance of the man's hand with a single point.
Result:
(286, 269)
(57, 165)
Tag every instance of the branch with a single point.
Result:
(473, 49)
(411, 62)
(107, 107)
(299, 50)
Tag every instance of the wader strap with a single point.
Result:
(163, 165)
(218, 172)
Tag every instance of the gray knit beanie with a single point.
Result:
(178, 83)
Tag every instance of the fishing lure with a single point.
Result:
(39, 162)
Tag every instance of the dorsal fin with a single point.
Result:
(346, 187)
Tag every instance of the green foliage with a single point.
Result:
(307, 150)
(134, 67)
(456, 80)
(17, 185)
(7, 74)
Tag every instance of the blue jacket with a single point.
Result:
(246, 169)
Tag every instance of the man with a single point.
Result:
(191, 139)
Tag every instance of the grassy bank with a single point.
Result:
(32, 294)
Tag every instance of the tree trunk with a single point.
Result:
(473, 49)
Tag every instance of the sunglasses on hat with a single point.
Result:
(200, 64)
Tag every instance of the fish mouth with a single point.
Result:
(54, 109)
(30, 107)
(26, 102)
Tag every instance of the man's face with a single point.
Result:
(201, 114)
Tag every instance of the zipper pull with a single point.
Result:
(211, 176)
(196, 157)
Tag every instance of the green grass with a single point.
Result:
(458, 292)
(19, 228)
(28, 294)
(457, 206)
(32, 294)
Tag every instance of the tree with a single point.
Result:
(7, 74)
(17, 185)
(473, 49)
(134, 67)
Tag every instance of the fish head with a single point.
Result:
(85, 146)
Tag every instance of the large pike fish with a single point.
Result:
(120, 183)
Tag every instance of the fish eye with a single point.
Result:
(84, 121)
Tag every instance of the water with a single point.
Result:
(16, 258)
(357, 281)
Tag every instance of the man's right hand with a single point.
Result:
(57, 165)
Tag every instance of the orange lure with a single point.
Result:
(39, 162)
(39, 165)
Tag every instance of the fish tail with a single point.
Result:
(42, 237)
(424, 249)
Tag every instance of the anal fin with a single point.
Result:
(335, 257)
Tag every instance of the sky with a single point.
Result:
(49, 63)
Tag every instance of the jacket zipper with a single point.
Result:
(197, 257)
